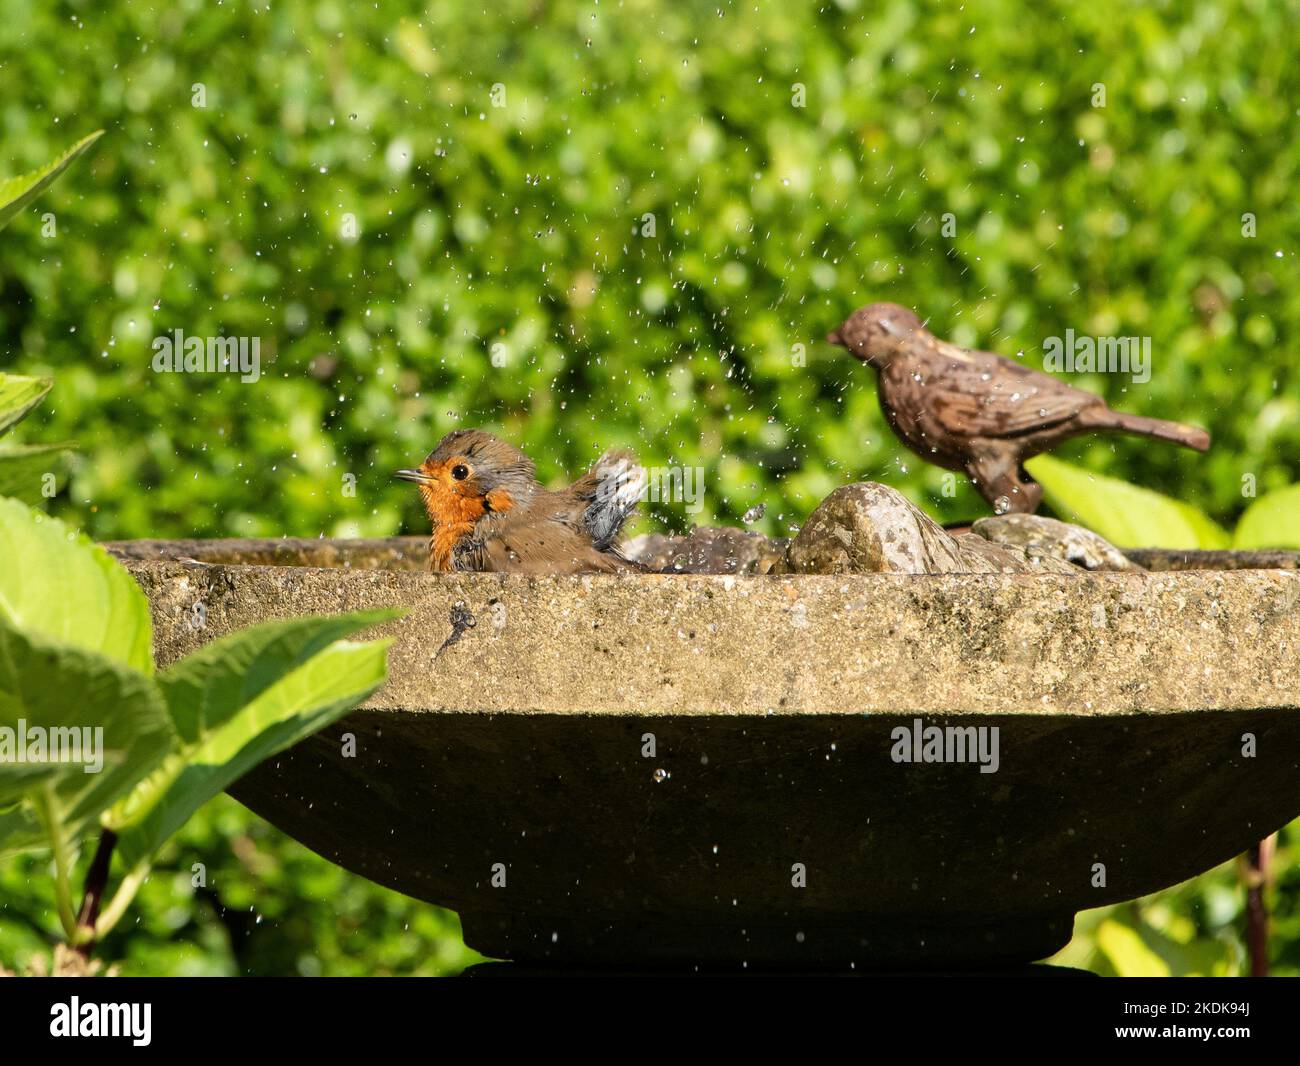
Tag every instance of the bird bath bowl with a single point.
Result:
(676, 770)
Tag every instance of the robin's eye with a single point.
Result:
(460, 471)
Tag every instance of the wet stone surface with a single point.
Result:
(871, 528)
(1037, 535)
(707, 550)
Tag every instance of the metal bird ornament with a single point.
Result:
(978, 412)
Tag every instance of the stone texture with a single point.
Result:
(1072, 544)
(391, 553)
(707, 550)
(687, 644)
(411, 553)
(1166, 559)
(869, 528)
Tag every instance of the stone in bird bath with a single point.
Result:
(1061, 540)
(707, 550)
(871, 528)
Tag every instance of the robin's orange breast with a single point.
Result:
(453, 514)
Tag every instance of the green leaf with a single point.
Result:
(1127, 952)
(1272, 521)
(111, 724)
(240, 700)
(18, 395)
(1128, 516)
(55, 582)
(23, 469)
(210, 686)
(17, 193)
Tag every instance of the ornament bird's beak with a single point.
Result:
(418, 476)
(834, 337)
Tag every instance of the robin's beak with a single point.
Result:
(418, 476)
(833, 337)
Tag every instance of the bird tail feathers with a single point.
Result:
(1175, 432)
(613, 486)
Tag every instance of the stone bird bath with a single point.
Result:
(503, 770)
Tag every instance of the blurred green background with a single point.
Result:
(526, 225)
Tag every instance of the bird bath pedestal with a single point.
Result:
(678, 770)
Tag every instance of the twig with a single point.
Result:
(1256, 878)
(93, 891)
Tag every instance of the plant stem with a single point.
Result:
(93, 891)
(48, 808)
(117, 906)
(1256, 871)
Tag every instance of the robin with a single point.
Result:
(490, 514)
(979, 412)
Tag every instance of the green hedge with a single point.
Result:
(521, 225)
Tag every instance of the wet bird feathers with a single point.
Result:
(489, 513)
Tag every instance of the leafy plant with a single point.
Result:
(1135, 517)
(1272, 521)
(76, 655)
(23, 467)
(17, 193)
(76, 662)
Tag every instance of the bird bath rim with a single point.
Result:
(411, 553)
